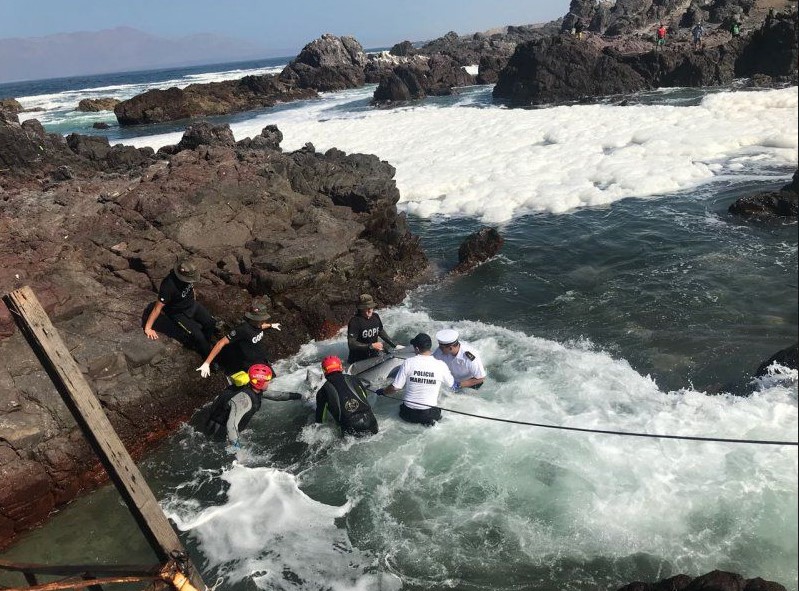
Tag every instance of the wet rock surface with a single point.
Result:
(93, 233)
(716, 580)
(779, 205)
(478, 248)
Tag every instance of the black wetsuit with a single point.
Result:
(245, 402)
(362, 333)
(344, 398)
(181, 307)
(246, 348)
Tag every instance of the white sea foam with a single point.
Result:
(496, 164)
(510, 498)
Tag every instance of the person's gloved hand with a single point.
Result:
(205, 370)
(380, 392)
(456, 387)
(275, 325)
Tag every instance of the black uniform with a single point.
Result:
(344, 398)
(182, 308)
(246, 348)
(361, 333)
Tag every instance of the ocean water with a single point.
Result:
(625, 299)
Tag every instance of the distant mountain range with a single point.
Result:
(122, 49)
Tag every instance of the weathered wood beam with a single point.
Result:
(63, 370)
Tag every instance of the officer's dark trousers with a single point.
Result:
(425, 416)
(198, 324)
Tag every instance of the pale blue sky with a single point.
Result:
(276, 26)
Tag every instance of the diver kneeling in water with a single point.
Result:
(343, 398)
(236, 405)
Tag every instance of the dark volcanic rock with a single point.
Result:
(10, 105)
(566, 69)
(772, 50)
(478, 248)
(562, 69)
(216, 98)
(788, 357)
(310, 231)
(434, 76)
(327, 64)
(403, 49)
(98, 104)
(100, 125)
(713, 581)
(768, 206)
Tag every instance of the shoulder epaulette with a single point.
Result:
(469, 355)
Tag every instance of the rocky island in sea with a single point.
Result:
(93, 227)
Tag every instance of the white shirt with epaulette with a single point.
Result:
(466, 364)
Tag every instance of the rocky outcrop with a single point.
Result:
(562, 69)
(630, 16)
(10, 105)
(772, 50)
(306, 230)
(215, 98)
(478, 248)
(98, 104)
(788, 357)
(327, 64)
(775, 205)
(716, 580)
(434, 76)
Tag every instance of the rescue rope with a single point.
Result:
(604, 431)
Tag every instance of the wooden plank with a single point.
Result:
(63, 370)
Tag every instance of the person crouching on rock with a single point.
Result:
(246, 345)
(343, 398)
(365, 330)
(176, 298)
(421, 376)
(236, 405)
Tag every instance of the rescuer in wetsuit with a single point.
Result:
(236, 405)
(343, 398)
(364, 331)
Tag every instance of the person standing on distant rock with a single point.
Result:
(365, 330)
(660, 36)
(176, 298)
(235, 406)
(462, 359)
(735, 28)
(697, 33)
(343, 398)
(247, 347)
(421, 376)
(579, 28)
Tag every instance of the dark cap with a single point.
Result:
(422, 341)
(186, 271)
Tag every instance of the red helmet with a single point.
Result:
(260, 376)
(331, 364)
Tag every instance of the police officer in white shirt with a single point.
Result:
(462, 359)
(421, 376)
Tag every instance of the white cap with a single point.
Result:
(447, 336)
